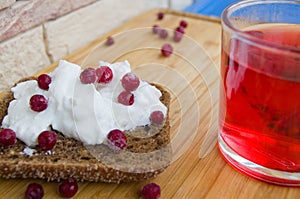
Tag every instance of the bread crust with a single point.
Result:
(147, 154)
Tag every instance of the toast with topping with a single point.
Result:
(147, 154)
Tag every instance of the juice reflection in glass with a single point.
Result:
(259, 126)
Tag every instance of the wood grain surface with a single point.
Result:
(191, 74)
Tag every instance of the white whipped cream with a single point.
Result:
(82, 111)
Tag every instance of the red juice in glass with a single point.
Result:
(260, 98)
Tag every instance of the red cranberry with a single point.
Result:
(116, 140)
(47, 140)
(166, 50)
(151, 191)
(38, 103)
(126, 98)
(7, 137)
(110, 41)
(177, 36)
(180, 29)
(104, 74)
(68, 188)
(163, 33)
(156, 118)
(130, 82)
(44, 81)
(88, 76)
(160, 15)
(34, 191)
(183, 23)
(156, 29)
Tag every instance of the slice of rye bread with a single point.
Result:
(147, 154)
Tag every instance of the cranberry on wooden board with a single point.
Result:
(34, 191)
(68, 188)
(166, 50)
(177, 36)
(163, 33)
(183, 23)
(160, 15)
(151, 191)
(180, 29)
(110, 41)
(156, 29)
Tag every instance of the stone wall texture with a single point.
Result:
(35, 33)
(22, 56)
(6, 3)
(24, 15)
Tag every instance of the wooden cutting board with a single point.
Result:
(191, 74)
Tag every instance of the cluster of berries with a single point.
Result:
(166, 49)
(116, 139)
(179, 31)
(69, 187)
(38, 103)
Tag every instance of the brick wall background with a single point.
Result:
(35, 33)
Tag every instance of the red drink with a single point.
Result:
(260, 98)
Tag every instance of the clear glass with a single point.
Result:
(259, 120)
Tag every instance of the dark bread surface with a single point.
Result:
(147, 154)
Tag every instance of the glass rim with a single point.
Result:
(251, 38)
